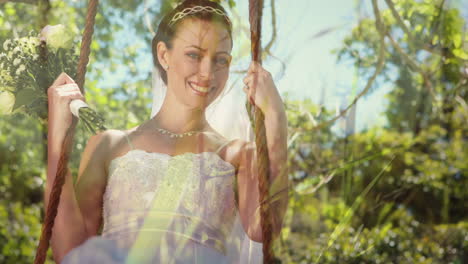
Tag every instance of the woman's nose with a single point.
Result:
(206, 70)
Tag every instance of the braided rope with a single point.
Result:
(67, 144)
(255, 19)
(86, 43)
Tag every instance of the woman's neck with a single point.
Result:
(178, 118)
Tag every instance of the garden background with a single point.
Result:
(376, 97)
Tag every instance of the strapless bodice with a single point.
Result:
(189, 196)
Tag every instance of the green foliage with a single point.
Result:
(19, 237)
(21, 188)
(401, 239)
(391, 223)
(347, 205)
(23, 139)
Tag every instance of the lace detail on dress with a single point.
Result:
(189, 195)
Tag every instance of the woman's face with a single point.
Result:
(198, 62)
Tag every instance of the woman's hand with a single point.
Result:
(60, 94)
(261, 90)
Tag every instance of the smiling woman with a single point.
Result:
(196, 62)
(173, 189)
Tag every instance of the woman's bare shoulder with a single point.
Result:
(239, 147)
(229, 149)
(107, 139)
(112, 137)
(103, 145)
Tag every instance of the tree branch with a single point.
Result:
(412, 63)
(400, 22)
(380, 64)
(273, 23)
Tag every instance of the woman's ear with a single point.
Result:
(163, 54)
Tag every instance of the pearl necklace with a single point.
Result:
(175, 135)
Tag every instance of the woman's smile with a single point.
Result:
(201, 89)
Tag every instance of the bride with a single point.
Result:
(170, 190)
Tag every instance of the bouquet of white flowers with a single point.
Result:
(28, 67)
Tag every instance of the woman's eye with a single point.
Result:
(222, 61)
(193, 56)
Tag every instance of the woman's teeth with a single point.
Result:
(199, 88)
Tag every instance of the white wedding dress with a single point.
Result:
(181, 209)
(167, 209)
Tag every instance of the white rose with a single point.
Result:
(20, 69)
(6, 44)
(56, 37)
(29, 43)
(16, 61)
(7, 101)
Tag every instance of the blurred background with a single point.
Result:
(376, 97)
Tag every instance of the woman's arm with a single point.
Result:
(249, 200)
(76, 220)
(268, 100)
(276, 125)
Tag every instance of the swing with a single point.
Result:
(255, 15)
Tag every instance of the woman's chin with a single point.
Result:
(197, 102)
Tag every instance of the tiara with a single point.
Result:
(192, 10)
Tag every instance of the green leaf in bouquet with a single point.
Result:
(92, 120)
(6, 85)
(38, 108)
(5, 77)
(24, 97)
(7, 100)
(7, 88)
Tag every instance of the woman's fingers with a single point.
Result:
(246, 89)
(63, 78)
(249, 92)
(254, 67)
(64, 93)
(60, 94)
(250, 81)
(249, 96)
(70, 95)
(259, 86)
(247, 79)
(68, 87)
(248, 84)
(255, 73)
